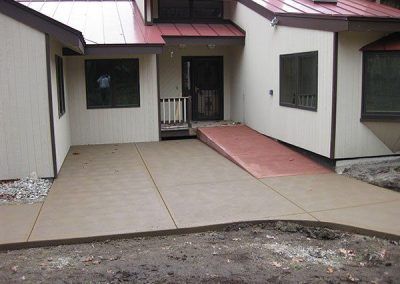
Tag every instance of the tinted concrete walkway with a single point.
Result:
(146, 187)
(259, 155)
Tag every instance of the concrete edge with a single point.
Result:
(199, 229)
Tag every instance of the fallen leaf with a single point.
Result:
(276, 264)
(329, 270)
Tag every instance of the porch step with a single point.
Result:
(259, 155)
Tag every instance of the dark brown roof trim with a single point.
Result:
(50, 102)
(334, 95)
(122, 49)
(65, 34)
(326, 22)
(234, 40)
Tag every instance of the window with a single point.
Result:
(112, 83)
(60, 86)
(393, 3)
(299, 80)
(381, 84)
(189, 10)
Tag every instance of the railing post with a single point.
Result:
(189, 109)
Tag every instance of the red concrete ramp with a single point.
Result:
(259, 155)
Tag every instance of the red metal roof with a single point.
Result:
(101, 22)
(356, 8)
(199, 30)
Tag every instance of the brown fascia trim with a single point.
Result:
(50, 101)
(193, 40)
(158, 95)
(47, 25)
(326, 22)
(334, 94)
(123, 49)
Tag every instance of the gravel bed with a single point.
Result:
(25, 190)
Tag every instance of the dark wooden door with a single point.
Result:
(203, 81)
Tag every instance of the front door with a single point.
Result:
(202, 79)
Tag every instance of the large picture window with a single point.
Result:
(60, 85)
(381, 84)
(112, 83)
(189, 10)
(299, 80)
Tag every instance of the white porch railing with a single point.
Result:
(175, 111)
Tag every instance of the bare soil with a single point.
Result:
(271, 252)
(384, 174)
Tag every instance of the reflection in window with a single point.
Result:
(112, 83)
(299, 80)
(189, 10)
(381, 83)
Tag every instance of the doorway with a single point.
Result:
(202, 80)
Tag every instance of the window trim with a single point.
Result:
(112, 106)
(59, 66)
(374, 116)
(284, 104)
(190, 19)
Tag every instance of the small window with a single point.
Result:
(112, 83)
(299, 80)
(190, 10)
(381, 84)
(60, 86)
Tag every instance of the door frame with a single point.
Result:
(220, 58)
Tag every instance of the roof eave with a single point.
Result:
(65, 34)
(330, 23)
(123, 49)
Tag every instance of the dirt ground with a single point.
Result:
(384, 174)
(271, 252)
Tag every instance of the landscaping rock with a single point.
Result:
(26, 190)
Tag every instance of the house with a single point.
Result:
(321, 75)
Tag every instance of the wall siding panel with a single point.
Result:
(353, 138)
(118, 125)
(25, 144)
(256, 71)
(62, 133)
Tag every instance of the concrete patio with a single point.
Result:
(106, 190)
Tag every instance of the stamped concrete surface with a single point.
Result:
(16, 222)
(101, 190)
(129, 188)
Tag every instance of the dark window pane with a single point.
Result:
(60, 85)
(288, 80)
(393, 3)
(382, 82)
(207, 9)
(174, 9)
(308, 77)
(299, 80)
(189, 10)
(112, 83)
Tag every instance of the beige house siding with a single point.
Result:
(62, 133)
(171, 70)
(353, 138)
(117, 125)
(25, 143)
(256, 71)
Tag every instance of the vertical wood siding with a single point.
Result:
(62, 133)
(118, 125)
(353, 138)
(256, 71)
(171, 70)
(25, 144)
